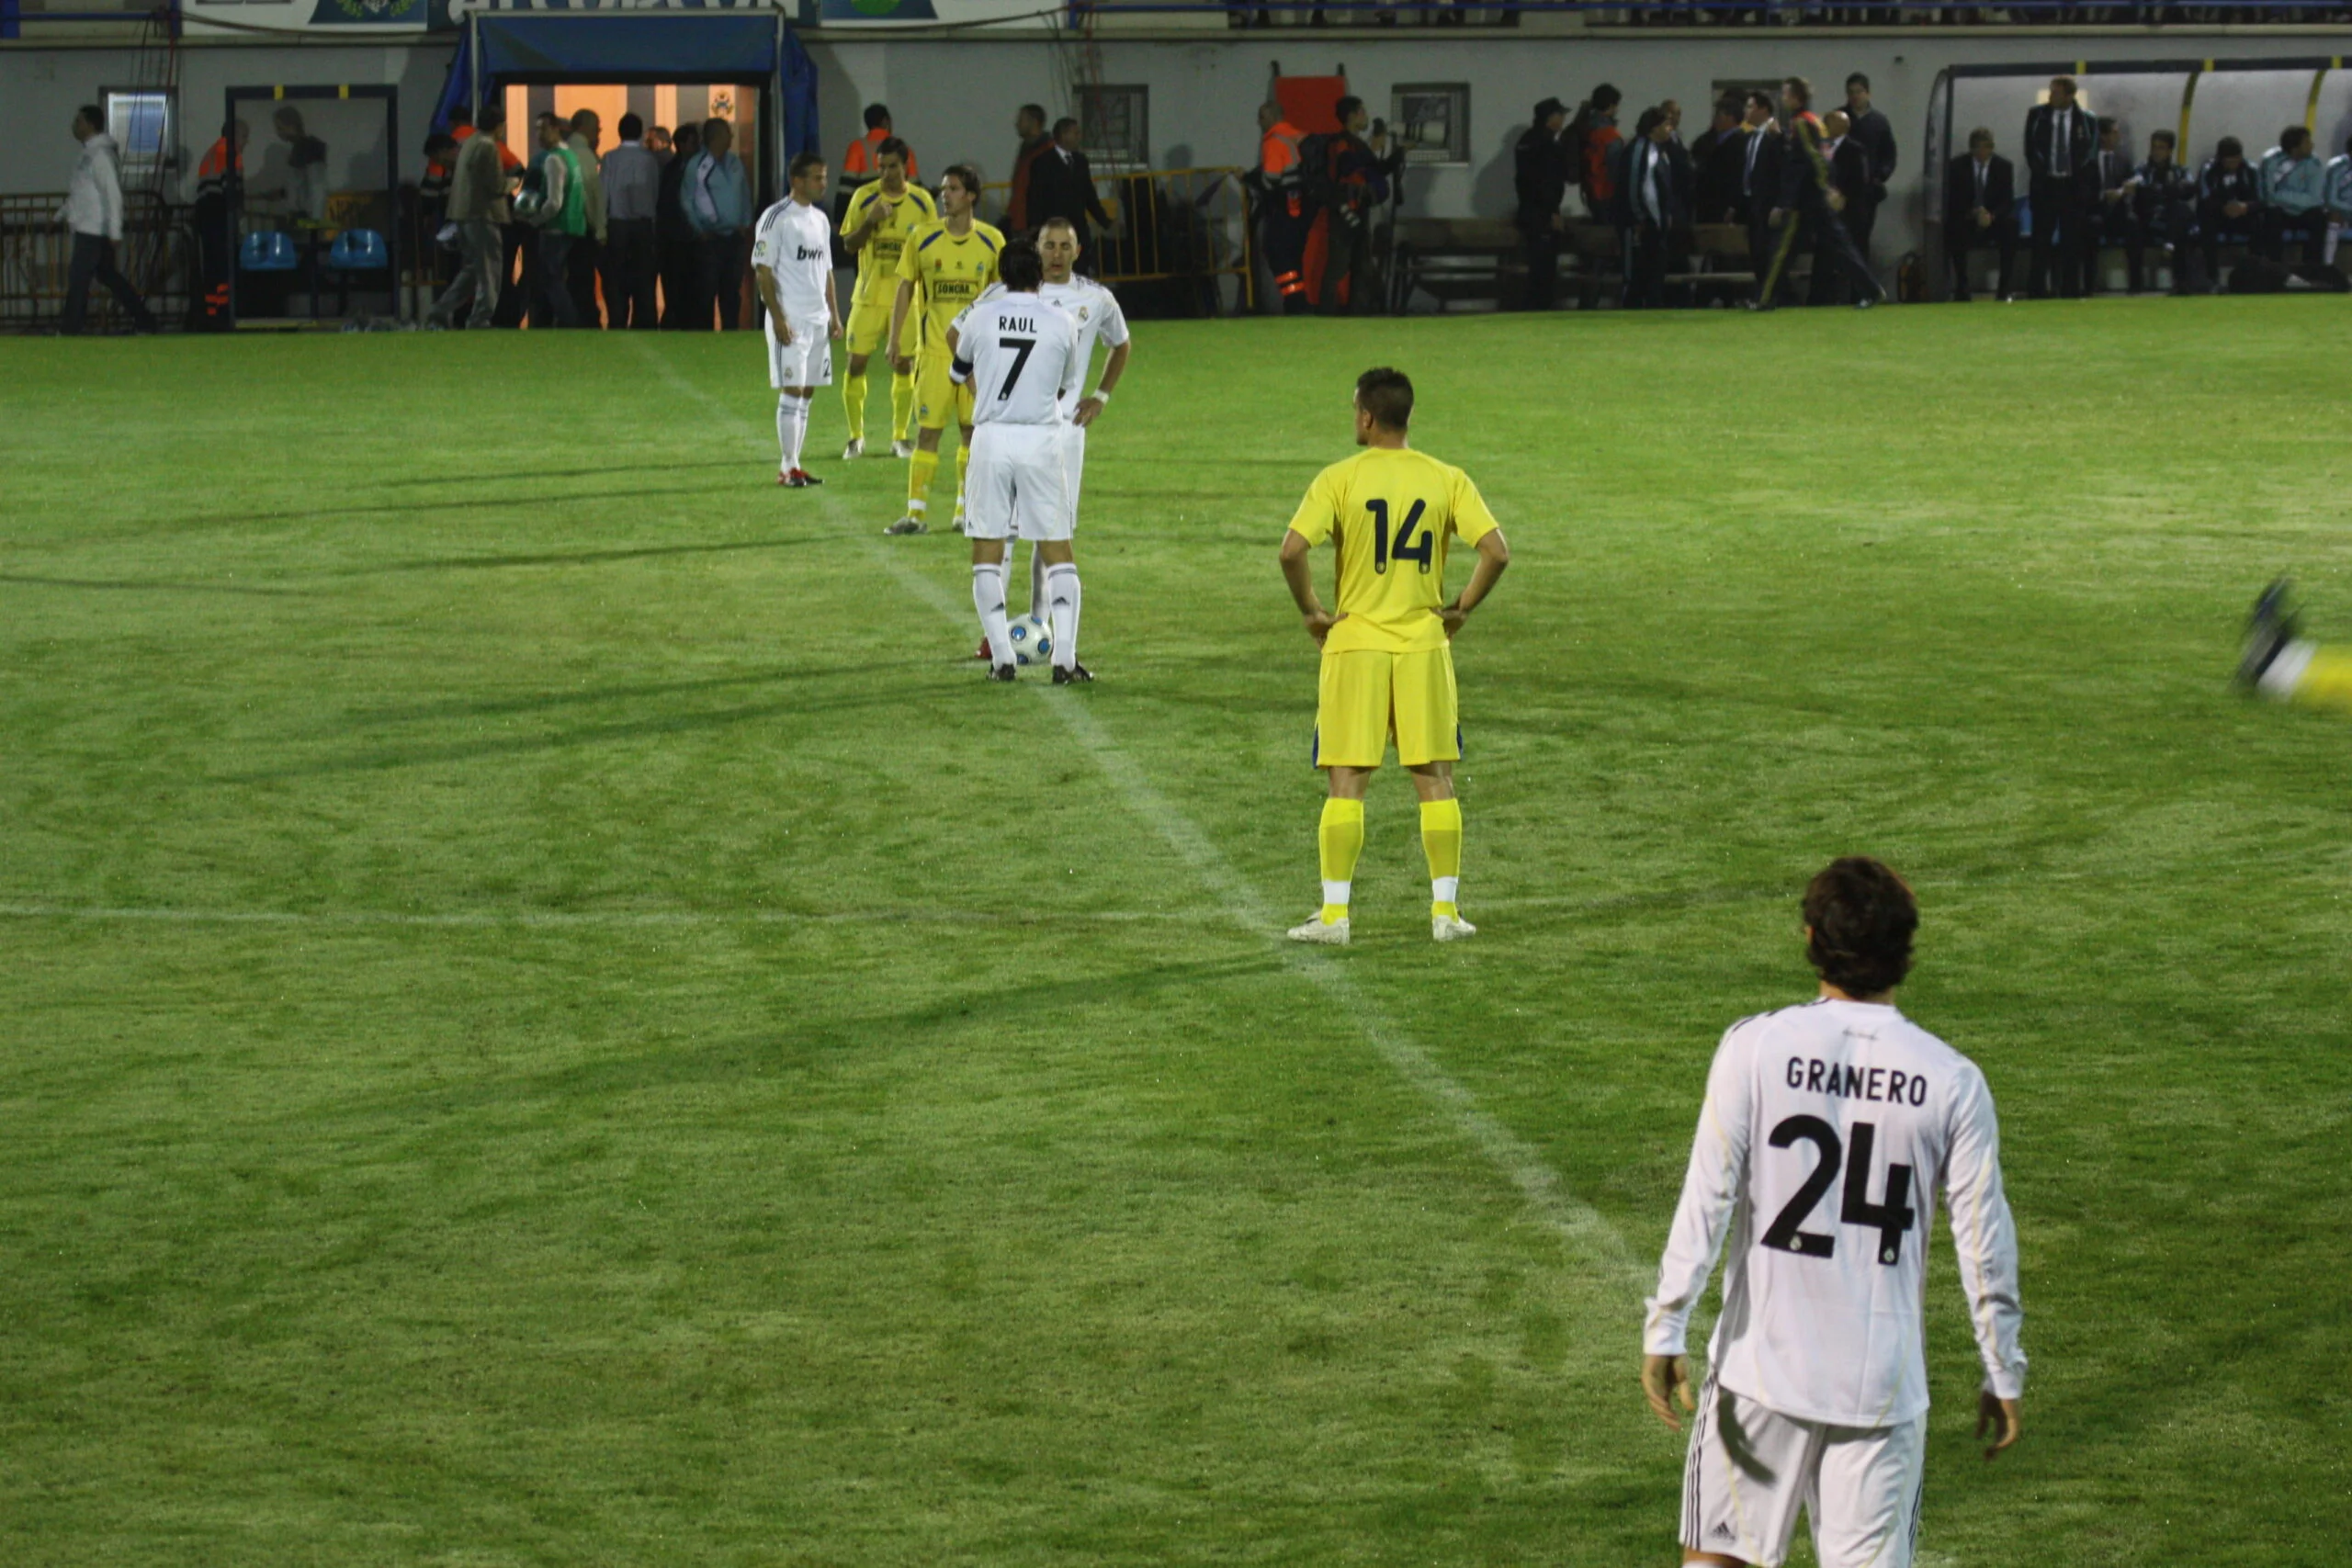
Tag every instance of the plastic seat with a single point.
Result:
(359, 249)
(268, 251)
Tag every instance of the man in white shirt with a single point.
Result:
(1827, 1130)
(93, 212)
(792, 260)
(1018, 355)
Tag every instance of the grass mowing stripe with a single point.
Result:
(1582, 1227)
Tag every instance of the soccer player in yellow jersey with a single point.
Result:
(883, 216)
(1388, 651)
(947, 263)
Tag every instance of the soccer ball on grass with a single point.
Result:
(1032, 642)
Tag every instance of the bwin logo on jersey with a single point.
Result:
(804, 254)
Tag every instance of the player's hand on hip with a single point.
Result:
(1087, 411)
(1455, 616)
(1998, 1416)
(1666, 1381)
(1320, 623)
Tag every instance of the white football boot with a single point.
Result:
(1334, 934)
(1450, 927)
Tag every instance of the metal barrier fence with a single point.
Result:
(34, 249)
(1175, 236)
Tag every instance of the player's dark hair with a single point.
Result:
(1061, 125)
(492, 117)
(1387, 396)
(1862, 918)
(586, 120)
(877, 115)
(1345, 107)
(460, 115)
(1859, 80)
(632, 127)
(1033, 111)
(1758, 96)
(889, 147)
(1651, 119)
(1020, 266)
(804, 162)
(2107, 122)
(963, 175)
(2066, 81)
(438, 143)
(1059, 222)
(95, 116)
(713, 126)
(1605, 97)
(2167, 137)
(2229, 147)
(1981, 134)
(1730, 106)
(1800, 89)
(2294, 136)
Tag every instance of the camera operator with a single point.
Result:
(1360, 174)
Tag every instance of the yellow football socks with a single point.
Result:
(963, 462)
(2327, 679)
(1340, 840)
(902, 406)
(853, 403)
(920, 468)
(1442, 842)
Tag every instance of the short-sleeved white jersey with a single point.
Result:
(1016, 350)
(795, 243)
(1828, 1131)
(1095, 310)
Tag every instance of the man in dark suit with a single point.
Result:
(1653, 207)
(1714, 159)
(1810, 208)
(1849, 176)
(1540, 177)
(1759, 179)
(1980, 211)
(1870, 127)
(1061, 184)
(2061, 147)
(2109, 217)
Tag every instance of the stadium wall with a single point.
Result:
(954, 97)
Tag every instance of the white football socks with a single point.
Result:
(1037, 581)
(791, 429)
(1061, 600)
(988, 598)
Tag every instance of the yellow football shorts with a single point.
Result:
(935, 394)
(869, 328)
(1368, 698)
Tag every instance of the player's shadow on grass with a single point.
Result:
(110, 585)
(597, 734)
(587, 558)
(560, 473)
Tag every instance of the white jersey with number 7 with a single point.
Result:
(1827, 1134)
(1015, 350)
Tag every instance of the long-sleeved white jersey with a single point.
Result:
(1828, 1132)
(1016, 350)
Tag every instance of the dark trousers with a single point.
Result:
(1539, 247)
(681, 269)
(1833, 285)
(580, 280)
(554, 283)
(92, 260)
(1861, 216)
(718, 280)
(475, 288)
(1347, 262)
(629, 273)
(1644, 244)
(1286, 253)
(2227, 231)
(518, 273)
(2111, 223)
(2001, 237)
(2272, 226)
(1832, 252)
(1763, 245)
(2057, 241)
(208, 304)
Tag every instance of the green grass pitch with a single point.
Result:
(550, 1017)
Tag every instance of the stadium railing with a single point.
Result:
(1185, 231)
(34, 249)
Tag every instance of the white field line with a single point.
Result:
(1583, 1227)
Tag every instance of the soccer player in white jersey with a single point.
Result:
(791, 258)
(1096, 311)
(1015, 352)
(1828, 1132)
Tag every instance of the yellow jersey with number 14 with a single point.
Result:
(1389, 511)
(878, 259)
(948, 272)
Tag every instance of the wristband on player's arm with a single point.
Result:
(959, 371)
(1101, 396)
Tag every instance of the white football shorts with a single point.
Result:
(1015, 488)
(1751, 1468)
(805, 361)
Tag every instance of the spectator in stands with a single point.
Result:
(2295, 197)
(1539, 180)
(718, 194)
(1849, 176)
(1029, 125)
(1653, 207)
(2060, 143)
(657, 142)
(2164, 207)
(1061, 184)
(93, 214)
(1714, 157)
(1876, 136)
(632, 195)
(1358, 177)
(675, 236)
(478, 207)
(559, 207)
(2228, 195)
(1594, 133)
(1282, 192)
(306, 162)
(586, 129)
(858, 164)
(1759, 179)
(2336, 188)
(1980, 211)
(2109, 218)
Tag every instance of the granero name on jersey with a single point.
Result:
(1890, 1086)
